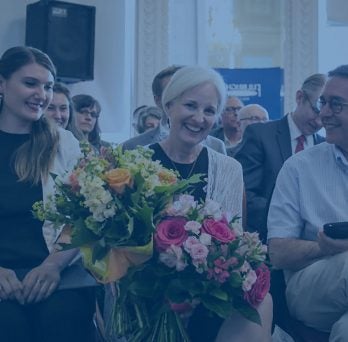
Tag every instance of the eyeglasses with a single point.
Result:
(315, 109)
(87, 112)
(232, 110)
(334, 104)
(254, 118)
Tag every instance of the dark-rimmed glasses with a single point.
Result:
(232, 110)
(87, 112)
(335, 104)
(315, 108)
(254, 118)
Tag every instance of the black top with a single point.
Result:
(21, 241)
(203, 326)
(198, 191)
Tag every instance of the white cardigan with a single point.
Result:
(66, 158)
(225, 183)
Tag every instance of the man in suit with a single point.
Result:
(230, 132)
(161, 131)
(265, 147)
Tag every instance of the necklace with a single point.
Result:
(189, 173)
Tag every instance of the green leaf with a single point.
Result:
(220, 307)
(81, 235)
(99, 251)
(248, 312)
(220, 294)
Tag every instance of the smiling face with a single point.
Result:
(192, 115)
(336, 124)
(58, 109)
(26, 95)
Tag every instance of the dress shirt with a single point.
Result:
(311, 190)
(295, 133)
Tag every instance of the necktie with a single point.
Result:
(300, 143)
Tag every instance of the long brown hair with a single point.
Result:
(33, 159)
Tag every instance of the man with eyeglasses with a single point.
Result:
(312, 190)
(230, 132)
(262, 152)
(252, 113)
(266, 146)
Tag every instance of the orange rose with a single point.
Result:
(167, 177)
(118, 179)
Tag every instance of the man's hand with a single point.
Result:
(331, 246)
(40, 282)
(10, 287)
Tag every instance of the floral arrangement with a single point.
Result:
(109, 204)
(201, 256)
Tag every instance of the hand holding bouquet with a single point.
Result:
(108, 205)
(201, 257)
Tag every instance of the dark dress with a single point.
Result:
(66, 315)
(203, 326)
(22, 244)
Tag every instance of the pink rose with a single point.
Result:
(219, 230)
(199, 252)
(170, 231)
(260, 288)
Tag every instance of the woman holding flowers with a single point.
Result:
(32, 308)
(192, 100)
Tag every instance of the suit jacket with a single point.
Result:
(159, 133)
(218, 133)
(262, 153)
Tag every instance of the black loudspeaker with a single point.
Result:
(65, 31)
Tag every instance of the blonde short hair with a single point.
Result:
(189, 77)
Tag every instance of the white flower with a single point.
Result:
(212, 208)
(205, 239)
(249, 280)
(199, 252)
(189, 242)
(173, 256)
(193, 226)
(182, 206)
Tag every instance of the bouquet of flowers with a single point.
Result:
(201, 256)
(109, 205)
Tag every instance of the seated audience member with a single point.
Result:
(32, 307)
(311, 190)
(136, 116)
(161, 131)
(60, 108)
(230, 132)
(252, 113)
(247, 115)
(87, 110)
(184, 152)
(265, 147)
(149, 118)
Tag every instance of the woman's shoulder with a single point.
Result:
(67, 142)
(223, 159)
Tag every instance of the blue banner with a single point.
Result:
(263, 86)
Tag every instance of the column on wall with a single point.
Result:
(168, 32)
(300, 18)
(151, 46)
